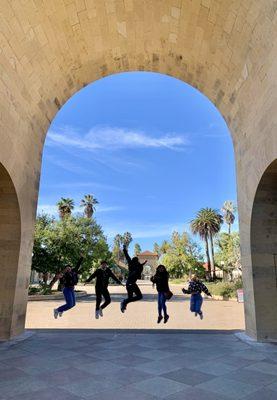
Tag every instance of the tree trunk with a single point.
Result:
(53, 281)
(212, 258)
(208, 257)
(229, 229)
(45, 277)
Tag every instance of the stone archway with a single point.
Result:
(264, 254)
(12, 316)
(51, 49)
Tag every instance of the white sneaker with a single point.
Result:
(100, 312)
(96, 314)
(56, 313)
(60, 314)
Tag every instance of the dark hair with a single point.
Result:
(161, 266)
(103, 262)
(135, 259)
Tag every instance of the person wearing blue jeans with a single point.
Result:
(195, 288)
(68, 279)
(160, 279)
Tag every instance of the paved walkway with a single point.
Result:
(225, 315)
(97, 365)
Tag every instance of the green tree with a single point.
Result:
(117, 251)
(164, 247)
(88, 203)
(228, 256)
(207, 224)
(127, 239)
(182, 256)
(156, 249)
(137, 249)
(58, 243)
(229, 210)
(65, 207)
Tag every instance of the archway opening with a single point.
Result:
(153, 172)
(10, 234)
(264, 254)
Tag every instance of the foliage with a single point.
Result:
(182, 256)
(58, 243)
(156, 249)
(228, 210)
(137, 249)
(119, 241)
(228, 253)
(225, 289)
(65, 207)
(88, 203)
(207, 224)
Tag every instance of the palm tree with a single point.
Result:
(137, 249)
(228, 210)
(127, 239)
(65, 206)
(199, 226)
(89, 202)
(207, 224)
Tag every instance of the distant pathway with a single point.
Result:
(219, 315)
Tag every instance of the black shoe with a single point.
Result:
(166, 318)
(159, 319)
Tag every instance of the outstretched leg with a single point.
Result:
(107, 298)
(133, 289)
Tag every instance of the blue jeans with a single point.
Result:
(161, 303)
(196, 301)
(69, 296)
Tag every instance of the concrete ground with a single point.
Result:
(219, 315)
(99, 365)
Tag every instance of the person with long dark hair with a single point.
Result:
(160, 279)
(135, 269)
(102, 275)
(68, 280)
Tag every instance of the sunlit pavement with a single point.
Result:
(219, 315)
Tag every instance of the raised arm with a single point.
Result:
(78, 265)
(126, 254)
(92, 276)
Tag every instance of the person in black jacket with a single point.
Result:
(195, 288)
(135, 270)
(68, 279)
(161, 281)
(102, 275)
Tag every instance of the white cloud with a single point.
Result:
(113, 138)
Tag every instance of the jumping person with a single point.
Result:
(135, 270)
(161, 280)
(68, 279)
(195, 288)
(102, 275)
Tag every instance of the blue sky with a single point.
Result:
(152, 149)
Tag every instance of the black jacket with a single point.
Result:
(102, 277)
(161, 281)
(135, 268)
(68, 279)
